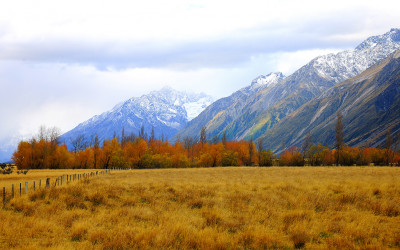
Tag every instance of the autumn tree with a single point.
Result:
(266, 158)
(229, 158)
(23, 156)
(317, 154)
(291, 157)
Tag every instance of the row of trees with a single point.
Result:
(142, 152)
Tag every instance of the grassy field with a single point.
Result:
(241, 207)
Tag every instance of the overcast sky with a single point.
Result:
(62, 62)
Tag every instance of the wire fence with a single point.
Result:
(23, 188)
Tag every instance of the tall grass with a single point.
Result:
(281, 208)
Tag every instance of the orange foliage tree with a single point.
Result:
(140, 152)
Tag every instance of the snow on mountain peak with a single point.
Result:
(349, 63)
(167, 110)
(266, 81)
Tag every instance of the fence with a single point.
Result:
(48, 182)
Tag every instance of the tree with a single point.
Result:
(283, 146)
(266, 158)
(203, 136)
(229, 158)
(152, 136)
(251, 152)
(141, 133)
(123, 139)
(215, 139)
(306, 146)
(78, 143)
(388, 146)
(224, 140)
(54, 135)
(96, 145)
(339, 136)
(260, 145)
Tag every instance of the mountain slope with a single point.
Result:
(166, 110)
(270, 105)
(261, 110)
(225, 110)
(369, 102)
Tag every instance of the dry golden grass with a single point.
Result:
(282, 208)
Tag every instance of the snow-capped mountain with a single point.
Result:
(264, 81)
(349, 63)
(167, 110)
(369, 102)
(264, 108)
(270, 105)
(225, 110)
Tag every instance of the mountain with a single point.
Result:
(166, 110)
(225, 110)
(369, 103)
(263, 109)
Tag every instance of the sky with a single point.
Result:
(62, 62)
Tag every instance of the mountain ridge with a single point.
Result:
(165, 110)
(263, 109)
(369, 103)
(225, 110)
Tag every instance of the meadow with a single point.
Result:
(210, 208)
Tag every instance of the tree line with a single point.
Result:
(45, 151)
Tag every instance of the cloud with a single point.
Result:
(178, 36)
(62, 62)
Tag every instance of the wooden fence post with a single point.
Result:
(34, 188)
(48, 182)
(26, 187)
(20, 189)
(4, 196)
(12, 191)
(40, 183)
